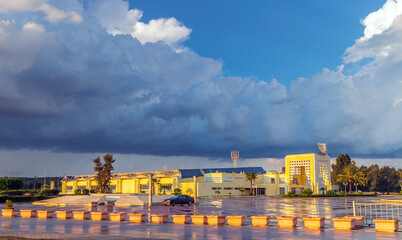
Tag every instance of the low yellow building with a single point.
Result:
(210, 181)
(310, 170)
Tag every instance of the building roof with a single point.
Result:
(187, 173)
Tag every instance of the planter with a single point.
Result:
(181, 219)
(344, 223)
(386, 225)
(287, 221)
(260, 221)
(199, 219)
(28, 213)
(81, 215)
(314, 222)
(136, 217)
(45, 214)
(216, 220)
(99, 216)
(159, 218)
(359, 221)
(64, 214)
(9, 212)
(236, 220)
(117, 217)
(93, 206)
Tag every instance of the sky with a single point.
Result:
(179, 84)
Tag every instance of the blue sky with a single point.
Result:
(268, 39)
(185, 82)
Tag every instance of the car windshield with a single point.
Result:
(175, 196)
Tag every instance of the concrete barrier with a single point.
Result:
(216, 220)
(159, 218)
(81, 215)
(9, 212)
(386, 225)
(45, 214)
(28, 213)
(64, 214)
(118, 217)
(181, 219)
(287, 221)
(199, 219)
(359, 221)
(99, 216)
(136, 217)
(236, 220)
(260, 221)
(93, 206)
(314, 222)
(344, 223)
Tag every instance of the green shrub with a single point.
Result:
(303, 195)
(4, 198)
(9, 204)
(11, 183)
(330, 192)
(85, 191)
(77, 192)
(342, 193)
(307, 191)
(176, 191)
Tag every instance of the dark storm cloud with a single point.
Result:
(72, 81)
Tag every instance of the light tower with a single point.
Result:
(235, 156)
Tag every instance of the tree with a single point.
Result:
(351, 175)
(251, 176)
(388, 180)
(342, 161)
(283, 170)
(103, 172)
(241, 190)
(164, 187)
(177, 191)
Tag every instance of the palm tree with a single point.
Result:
(251, 176)
(352, 175)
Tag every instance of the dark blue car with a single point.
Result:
(178, 199)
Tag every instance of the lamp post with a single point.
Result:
(345, 184)
(356, 184)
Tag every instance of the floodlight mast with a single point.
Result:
(235, 156)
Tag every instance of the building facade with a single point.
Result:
(311, 170)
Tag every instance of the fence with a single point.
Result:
(382, 210)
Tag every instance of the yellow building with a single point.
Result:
(311, 170)
(210, 181)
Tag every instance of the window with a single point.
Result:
(69, 189)
(281, 191)
(237, 188)
(216, 188)
(167, 187)
(113, 188)
(81, 187)
(227, 188)
(272, 180)
(144, 188)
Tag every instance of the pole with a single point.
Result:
(354, 208)
(195, 189)
(150, 190)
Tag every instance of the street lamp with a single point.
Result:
(356, 184)
(345, 184)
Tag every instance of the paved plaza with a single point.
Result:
(74, 229)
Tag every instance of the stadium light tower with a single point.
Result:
(235, 156)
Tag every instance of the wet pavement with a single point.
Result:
(325, 207)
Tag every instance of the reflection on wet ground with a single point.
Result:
(325, 207)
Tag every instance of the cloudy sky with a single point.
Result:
(178, 84)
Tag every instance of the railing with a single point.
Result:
(372, 211)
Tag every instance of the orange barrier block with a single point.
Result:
(64, 214)
(137, 217)
(260, 221)
(386, 225)
(344, 223)
(28, 213)
(216, 220)
(99, 216)
(199, 219)
(287, 221)
(236, 220)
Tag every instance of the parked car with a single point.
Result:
(178, 199)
